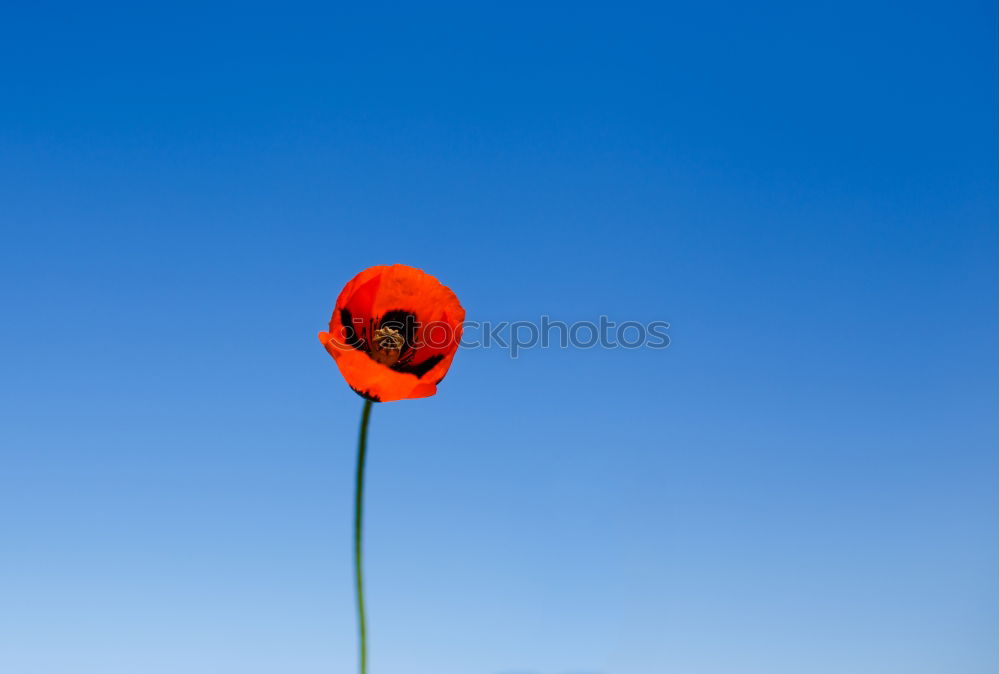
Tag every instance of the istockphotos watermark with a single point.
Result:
(518, 336)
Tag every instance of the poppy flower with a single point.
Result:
(394, 332)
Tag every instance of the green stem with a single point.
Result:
(359, 487)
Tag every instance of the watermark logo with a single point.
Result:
(546, 333)
(518, 336)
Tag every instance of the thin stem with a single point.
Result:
(359, 486)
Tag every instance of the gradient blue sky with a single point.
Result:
(805, 481)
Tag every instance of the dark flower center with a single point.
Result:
(391, 344)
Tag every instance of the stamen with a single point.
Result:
(386, 345)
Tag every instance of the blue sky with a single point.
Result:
(805, 481)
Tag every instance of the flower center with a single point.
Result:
(386, 345)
